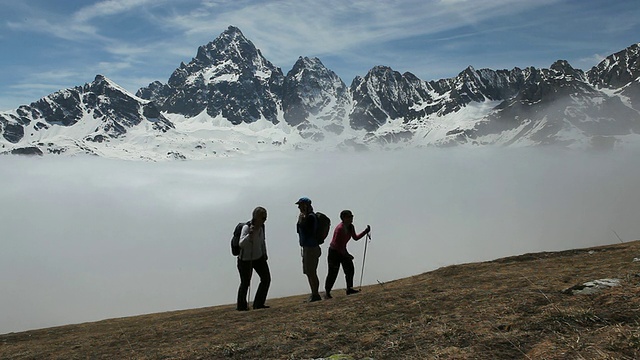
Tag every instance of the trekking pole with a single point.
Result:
(364, 257)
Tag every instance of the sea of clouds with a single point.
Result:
(86, 238)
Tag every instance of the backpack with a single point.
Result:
(235, 240)
(322, 227)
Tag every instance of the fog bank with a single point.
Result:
(85, 238)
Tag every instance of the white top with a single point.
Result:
(253, 246)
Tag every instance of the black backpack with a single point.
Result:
(235, 240)
(322, 227)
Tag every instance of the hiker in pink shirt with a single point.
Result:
(338, 254)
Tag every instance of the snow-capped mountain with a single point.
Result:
(315, 100)
(563, 106)
(229, 98)
(81, 119)
(228, 77)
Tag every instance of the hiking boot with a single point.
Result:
(261, 307)
(327, 295)
(242, 309)
(314, 298)
(352, 291)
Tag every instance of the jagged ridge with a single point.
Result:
(229, 81)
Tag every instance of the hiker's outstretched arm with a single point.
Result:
(364, 232)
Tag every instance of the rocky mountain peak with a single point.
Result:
(469, 71)
(100, 78)
(228, 76)
(304, 62)
(110, 109)
(562, 68)
(230, 53)
(314, 97)
(385, 94)
(230, 45)
(102, 85)
(617, 70)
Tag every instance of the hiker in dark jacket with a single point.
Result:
(253, 256)
(338, 254)
(306, 227)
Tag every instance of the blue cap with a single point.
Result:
(303, 200)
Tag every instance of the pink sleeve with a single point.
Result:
(353, 234)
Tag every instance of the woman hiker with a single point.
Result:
(253, 256)
(338, 254)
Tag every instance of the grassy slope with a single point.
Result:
(512, 308)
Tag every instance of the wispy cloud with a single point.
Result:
(109, 8)
(335, 26)
(81, 25)
(593, 59)
(56, 28)
(47, 81)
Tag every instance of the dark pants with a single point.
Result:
(335, 259)
(245, 268)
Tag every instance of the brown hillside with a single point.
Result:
(512, 308)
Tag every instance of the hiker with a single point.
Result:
(306, 228)
(338, 254)
(253, 256)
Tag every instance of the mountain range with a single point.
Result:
(230, 99)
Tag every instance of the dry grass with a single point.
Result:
(512, 308)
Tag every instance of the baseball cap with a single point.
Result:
(304, 200)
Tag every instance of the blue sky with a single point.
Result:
(48, 45)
